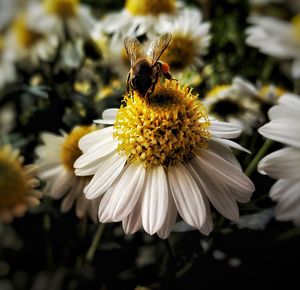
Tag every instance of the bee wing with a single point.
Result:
(158, 46)
(133, 48)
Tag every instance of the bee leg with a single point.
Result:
(128, 83)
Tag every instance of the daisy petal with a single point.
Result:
(217, 192)
(108, 171)
(155, 199)
(224, 130)
(283, 163)
(286, 131)
(126, 194)
(170, 220)
(187, 196)
(231, 144)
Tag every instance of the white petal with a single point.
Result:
(286, 131)
(224, 130)
(69, 199)
(224, 152)
(217, 192)
(108, 171)
(288, 207)
(81, 205)
(170, 220)
(283, 163)
(61, 185)
(231, 144)
(187, 196)
(279, 187)
(126, 193)
(290, 100)
(133, 222)
(241, 187)
(108, 117)
(93, 155)
(283, 111)
(155, 199)
(89, 140)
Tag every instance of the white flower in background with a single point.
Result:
(7, 67)
(160, 158)
(234, 104)
(268, 94)
(7, 12)
(56, 158)
(26, 44)
(17, 185)
(65, 18)
(114, 54)
(190, 39)
(138, 17)
(284, 164)
(7, 117)
(276, 38)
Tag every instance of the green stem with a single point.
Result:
(260, 154)
(93, 248)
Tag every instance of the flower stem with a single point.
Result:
(260, 154)
(97, 237)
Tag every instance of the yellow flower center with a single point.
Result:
(180, 53)
(70, 150)
(214, 92)
(25, 36)
(296, 27)
(62, 8)
(146, 7)
(270, 93)
(13, 179)
(224, 105)
(168, 129)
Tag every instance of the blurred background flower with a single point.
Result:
(63, 65)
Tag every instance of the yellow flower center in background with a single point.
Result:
(180, 53)
(165, 131)
(147, 7)
(214, 92)
(25, 36)
(13, 179)
(270, 93)
(296, 27)
(70, 150)
(62, 8)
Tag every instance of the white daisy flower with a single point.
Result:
(7, 118)
(235, 104)
(160, 158)
(276, 38)
(284, 164)
(25, 43)
(138, 17)
(7, 67)
(56, 158)
(268, 94)
(17, 185)
(64, 18)
(190, 39)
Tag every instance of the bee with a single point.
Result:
(146, 68)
